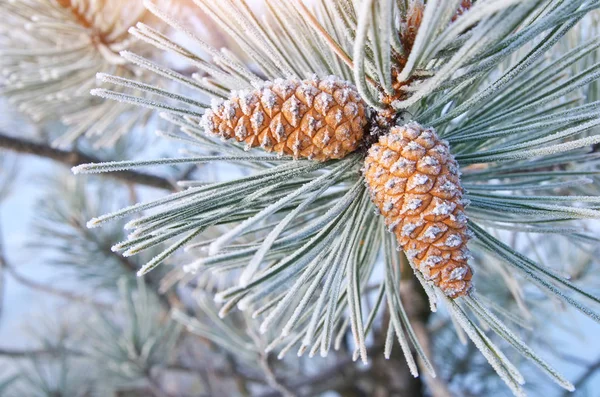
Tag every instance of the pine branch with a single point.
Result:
(74, 158)
(51, 290)
(18, 353)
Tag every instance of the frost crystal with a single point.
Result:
(324, 99)
(430, 161)
(351, 108)
(388, 205)
(392, 226)
(339, 116)
(408, 229)
(400, 164)
(413, 204)
(412, 253)
(229, 109)
(388, 154)
(449, 187)
(241, 132)
(412, 145)
(257, 119)
(279, 130)
(453, 240)
(344, 95)
(266, 141)
(309, 92)
(444, 208)
(269, 99)
(420, 179)
(432, 232)
(391, 183)
(458, 273)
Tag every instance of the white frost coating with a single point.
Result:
(431, 261)
(401, 164)
(247, 101)
(309, 92)
(392, 226)
(295, 107)
(392, 182)
(266, 141)
(408, 229)
(411, 131)
(214, 104)
(412, 253)
(285, 86)
(432, 232)
(430, 161)
(388, 205)
(412, 145)
(388, 154)
(419, 180)
(279, 130)
(268, 99)
(351, 109)
(458, 274)
(449, 187)
(453, 169)
(461, 218)
(324, 99)
(241, 132)
(443, 208)
(229, 110)
(454, 240)
(257, 119)
(339, 116)
(394, 138)
(413, 204)
(465, 202)
(344, 95)
(207, 122)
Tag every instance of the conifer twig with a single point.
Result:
(74, 158)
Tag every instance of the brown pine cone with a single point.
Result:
(319, 119)
(414, 181)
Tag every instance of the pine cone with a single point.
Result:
(414, 181)
(319, 119)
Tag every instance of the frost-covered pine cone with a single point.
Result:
(319, 119)
(414, 181)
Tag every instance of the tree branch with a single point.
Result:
(51, 290)
(75, 158)
(17, 353)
